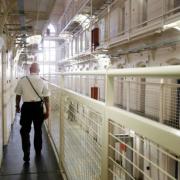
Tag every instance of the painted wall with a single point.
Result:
(8, 95)
(1, 123)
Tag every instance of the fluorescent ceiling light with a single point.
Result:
(175, 25)
(16, 58)
(36, 39)
(65, 35)
(105, 50)
(84, 20)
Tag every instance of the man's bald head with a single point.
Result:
(34, 68)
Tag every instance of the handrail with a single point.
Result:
(165, 137)
(97, 72)
(71, 18)
(156, 131)
(158, 71)
(133, 29)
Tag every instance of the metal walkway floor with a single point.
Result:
(13, 167)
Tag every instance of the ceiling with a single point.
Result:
(22, 18)
(93, 7)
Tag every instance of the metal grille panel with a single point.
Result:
(132, 156)
(54, 120)
(149, 98)
(82, 84)
(171, 105)
(82, 129)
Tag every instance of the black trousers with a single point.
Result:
(31, 112)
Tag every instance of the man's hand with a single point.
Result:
(18, 109)
(46, 100)
(18, 99)
(46, 115)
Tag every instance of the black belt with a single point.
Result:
(32, 102)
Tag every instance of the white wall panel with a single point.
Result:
(1, 123)
(87, 39)
(154, 10)
(135, 13)
(102, 29)
(114, 22)
(122, 20)
(6, 97)
(127, 14)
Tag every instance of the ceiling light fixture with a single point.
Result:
(175, 25)
(36, 39)
(65, 35)
(105, 50)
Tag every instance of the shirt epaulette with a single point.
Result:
(23, 77)
(43, 79)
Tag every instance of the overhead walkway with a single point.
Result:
(13, 167)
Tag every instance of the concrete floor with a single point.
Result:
(13, 167)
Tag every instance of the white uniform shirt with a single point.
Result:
(25, 89)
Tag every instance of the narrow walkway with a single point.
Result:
(13, 167)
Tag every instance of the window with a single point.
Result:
(47, 57)
(50, 30)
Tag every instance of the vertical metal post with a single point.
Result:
(4, 97)
(108, 33)
(42, 44)
(90, 28)
(128, 95)
(161, 102)
(1, 104)
(61, 132)
(109, 91)
(129, 28)
(80, 84)
(163, 3)
(109, 88)
(49, 57)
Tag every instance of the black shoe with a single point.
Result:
(26, 157)
(26, 165)
(38, 153)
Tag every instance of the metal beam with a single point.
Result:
(21, 12)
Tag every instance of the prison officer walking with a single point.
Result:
(33, 89)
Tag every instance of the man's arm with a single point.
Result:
(46, 100)
(18, 99)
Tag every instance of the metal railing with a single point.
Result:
(83, 84)
(115, 25)
(71, 10)
(83, 141)
(119, 28)
(132, 156)
(98, 140)
(53, 122)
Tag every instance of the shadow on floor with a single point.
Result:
(13, 167)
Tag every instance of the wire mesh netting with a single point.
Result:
(83, 84)
(132, 156)
(82, 129)
(149, 98)
(54, 120)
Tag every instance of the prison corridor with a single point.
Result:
(13, 166)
